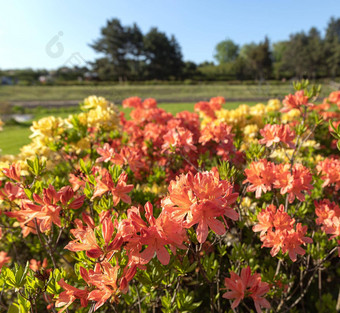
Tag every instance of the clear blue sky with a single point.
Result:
(27, 26)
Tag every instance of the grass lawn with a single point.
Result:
(163, 93)
(15, 136)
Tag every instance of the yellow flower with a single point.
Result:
(290, 116)
(246, 202)
(106, 119)
(258, 109)
(47, 127)
(316, 158)
(273, 105)
(92, 102)
(311, 143)
(250, 133)
(156, 189)
(282, 154)
(82, 144)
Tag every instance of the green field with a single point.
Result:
(15, 136)
(163, 93)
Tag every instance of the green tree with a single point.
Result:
(332, 47)
(258, 59)
(315, 50)
(279, 49)
(295, 57)
(304, 54)
(113, 43)
(163, 56)
(190, 70)
(226, 51)
(135, 50)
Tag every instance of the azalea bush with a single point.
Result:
(213, 211)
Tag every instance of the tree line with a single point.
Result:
(126, 54)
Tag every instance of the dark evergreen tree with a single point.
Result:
(332, 47)
(163, 56)
(113, 44)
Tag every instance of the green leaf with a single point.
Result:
(24, 304)
(14, 308)
(29, 193)
(9, 277)
(82, 166)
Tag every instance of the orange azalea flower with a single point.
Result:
(107, 154)
(274, 240)
(132, 156)
(37, 265)
(86, 239)
(260, 175)
(247, 285)
(26, 227)
(179, 138)
(206, 108)
(153, 236)
(209, 108)
(67, 297)
(295, 101)
(13, 171)
(132, 102)
(4, 259)
(200, 199)
(277, 232)
(333, 228)
(11, 192)
(77, 180)
(215, 199)
(334, 97)
(293, 240)
(46, 211)
(105, 279)
(293, 182)
(119, 192)
(66, 194)
(321, 108)
(326, 210)
(181, 198)
(149, 103)
(277, 133)
(270, 217)
(330, 172)
(216, 102)
(329, 216)
(218, 133)
(188, 120)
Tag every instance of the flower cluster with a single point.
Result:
(277, 133)
(329, 169)
(264, 176)
(328, 214)
(296, 101)
(200, 200)
(247, 285)
(277, 231)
